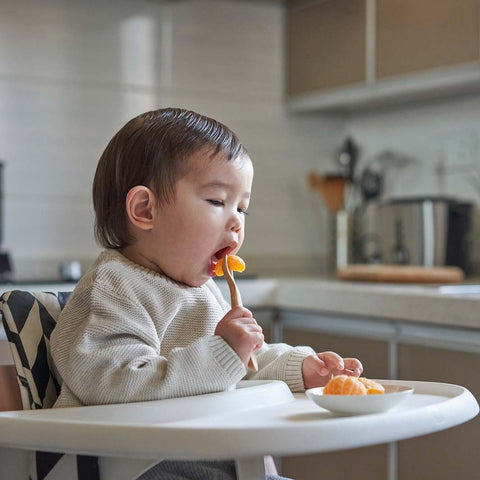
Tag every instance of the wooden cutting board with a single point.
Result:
(401, 274)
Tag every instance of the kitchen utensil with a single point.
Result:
(371, 184)
(401, 273)
(343, 231)
(361, 404)
(236, 300)
(332, 192)
(331, 188)
(347, 158)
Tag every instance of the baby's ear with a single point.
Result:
(139, 204)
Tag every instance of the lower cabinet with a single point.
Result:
(361, 463)
(453, 453)
(445, 455)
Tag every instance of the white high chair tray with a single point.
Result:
(258, 418)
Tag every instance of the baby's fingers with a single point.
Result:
(319, 366)
(333, 362)
(239, 312)
(353, 366)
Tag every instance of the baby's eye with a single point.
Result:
(216, 203)
(243, 211)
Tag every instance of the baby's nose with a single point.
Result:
(235, 223)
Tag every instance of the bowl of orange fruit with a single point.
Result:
(349, 395)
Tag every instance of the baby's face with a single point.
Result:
(205, 221)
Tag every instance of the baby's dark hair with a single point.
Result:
(152, 149)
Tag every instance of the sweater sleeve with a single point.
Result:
(109, 351)
(280, 361)
(276, 361)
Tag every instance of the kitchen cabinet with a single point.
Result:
(346, 54)
(400, 349)
(452, 453)
(325, 45)
(412, 36)
(360, 463)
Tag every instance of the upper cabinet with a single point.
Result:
(412, 36)
(345, 54)
(326, 45)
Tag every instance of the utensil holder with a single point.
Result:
(342, 240)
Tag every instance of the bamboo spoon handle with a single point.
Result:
(236, 301)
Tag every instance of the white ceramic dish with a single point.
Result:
(361, 404)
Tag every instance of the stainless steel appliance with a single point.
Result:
(429, 231)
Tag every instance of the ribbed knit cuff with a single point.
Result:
(226, 357)
(293, 369)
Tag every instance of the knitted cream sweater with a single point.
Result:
(129, 334)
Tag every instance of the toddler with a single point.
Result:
(147, 322)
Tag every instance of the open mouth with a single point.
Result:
(222, 252)
(217, 256)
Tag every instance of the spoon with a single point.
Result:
(236, 301)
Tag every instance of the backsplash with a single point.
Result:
(440, 143)
(69, 79)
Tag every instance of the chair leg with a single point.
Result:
(113, 468)
(250, 468)
(13, 463)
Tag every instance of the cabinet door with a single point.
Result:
(452, 453)
(325, 45)
(412, 36)
(361, 463)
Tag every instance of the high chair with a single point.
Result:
(120, 442)
(28, 319)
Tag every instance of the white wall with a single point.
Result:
(428, 133)
(72, 73)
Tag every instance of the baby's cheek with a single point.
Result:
(241, 236)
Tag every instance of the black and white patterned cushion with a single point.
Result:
(28, 319)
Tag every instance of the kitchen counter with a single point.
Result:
(400, 302)
(409, 303)
(412, 303)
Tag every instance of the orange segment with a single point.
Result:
(344, 385)
(373, 388)
(235, 263)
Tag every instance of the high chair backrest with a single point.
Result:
(28, 319)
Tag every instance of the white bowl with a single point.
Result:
(361, 404)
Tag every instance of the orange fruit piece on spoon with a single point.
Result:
(235, 263)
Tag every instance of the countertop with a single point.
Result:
(430, 304)
(405, 302)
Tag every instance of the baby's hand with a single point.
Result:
(240, 330)
(318, 369)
